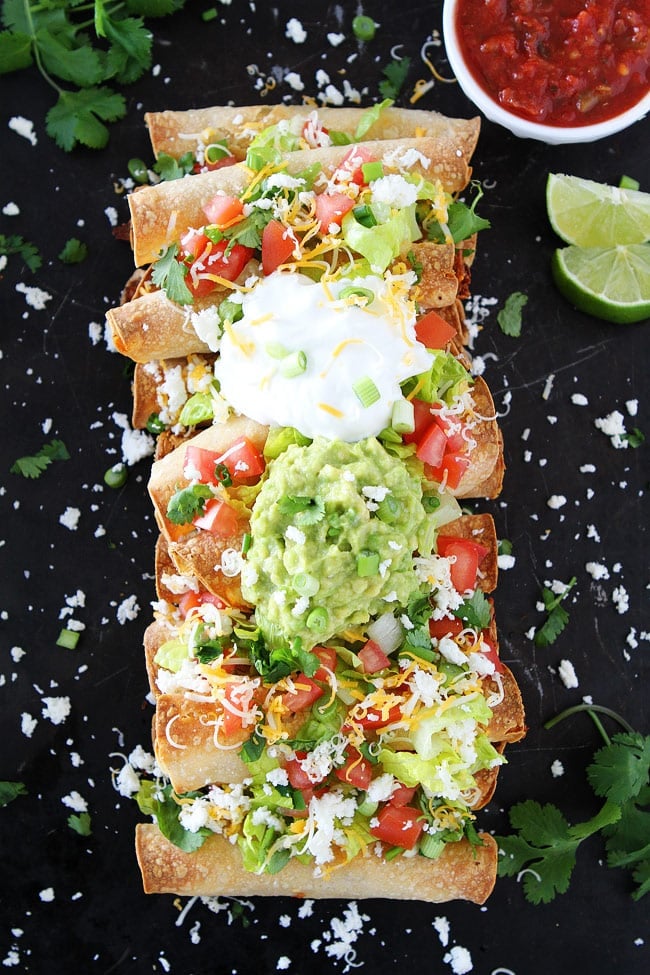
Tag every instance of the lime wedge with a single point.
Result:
(591, 214)
(608, 282)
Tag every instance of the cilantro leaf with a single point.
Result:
(545, 847)
(74, 251)
(628, 843)
(61, 56)
(160, 802)
(154, 8)
(509, 317)
(621, 769)
(169, 168)
(79, 116)
(10, 791)
(475, 611)
(557, 617)
(15, 51)
(80, 824)
(504, 547)
(33, 466)
(394, 77)
(168, 275)
(634, 438)
(17, 245)
(187, 503)
(130, 44)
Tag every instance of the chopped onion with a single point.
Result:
(387, 632)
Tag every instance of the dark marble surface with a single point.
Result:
(74, 904)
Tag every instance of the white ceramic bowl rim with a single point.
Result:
(518, 125)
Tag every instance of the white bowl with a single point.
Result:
(552, 134)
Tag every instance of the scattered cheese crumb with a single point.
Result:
(460, 960)
(295, 31)
(557, 769)
(621, 599)
(70, 518)
(23, 126)
(567, 674)
(36, 298)
(127, 610)
(47, 895)
(556, 501)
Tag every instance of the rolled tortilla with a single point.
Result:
(161, 214)
(163, 386)
(150, 326)
(176, 133)
(462, 872)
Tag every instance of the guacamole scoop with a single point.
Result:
(334, 529)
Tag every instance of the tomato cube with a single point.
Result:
(373, 658)
(398, 826)
(328, 659)
(277, 246)
(218, 518)
(467, 556)
(450, 470)
(433, 331)
(356, 771)
(305, 692)
(331, 208)
(223, 210)
(431, 447)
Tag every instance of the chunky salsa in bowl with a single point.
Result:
(555, 70)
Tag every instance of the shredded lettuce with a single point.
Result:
(383, 243)
(445, 379)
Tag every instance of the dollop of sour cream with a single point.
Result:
(343, 342)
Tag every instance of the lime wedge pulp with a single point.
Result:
(608, 282)
(590, 214)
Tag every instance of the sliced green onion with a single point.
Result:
(213, 233)
(223, 475)
(115, 476)
(388, 510)
(246, 542)
(305, 584)
(198, 409)
(353, 291)
(629, 183)
(209, 14)
(363, 27)
(367, 563)
(363, 214)
(368, 807)
(366, 391)
(298, 799)
(412, 651)
(403, 416)
(393, 853)
(276, 350)
(431, 845)
(430, 502)
(293, 365)
(215, 151)
(154, 424)
(68, 639)
(138, 170)
(372, 171)
(317, 619)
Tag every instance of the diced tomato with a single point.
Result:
(455, 440)
(218, 518)
(312, 133)
(331, 208)
(305, 692)
(231, 723)
(431, 447)
(356, 771)
(353, 161)
(243, 460)
(277, 246)
(194, 243)
(491, 653)
(210, 167)
(190, 600)
(398, 826)
(373, 658)
(199, 278)
(375, 718)
(449, 626)
(222, 210)
(467, 556)
(423, 418)
(298, 778)
(451, 469)
(433, 331)
(402, 795)
(328, 658)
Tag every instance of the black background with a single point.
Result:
(99, 920)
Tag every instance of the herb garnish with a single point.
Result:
(557, 617)
(10, 791)
(80, 824)
(54, 36)
(509, 317)
(186, 503)
(168, 275)
(14, 244)
(35, 465)
(394, 77)
(545, 845)
(74, 251)
(475, 611)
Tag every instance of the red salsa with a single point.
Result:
(558, 62)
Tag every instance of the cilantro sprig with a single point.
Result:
(76, 63)
(510, 317)
(14, 244)
(34, 465)
(394, 74)
(543, 849)
(557, 617)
